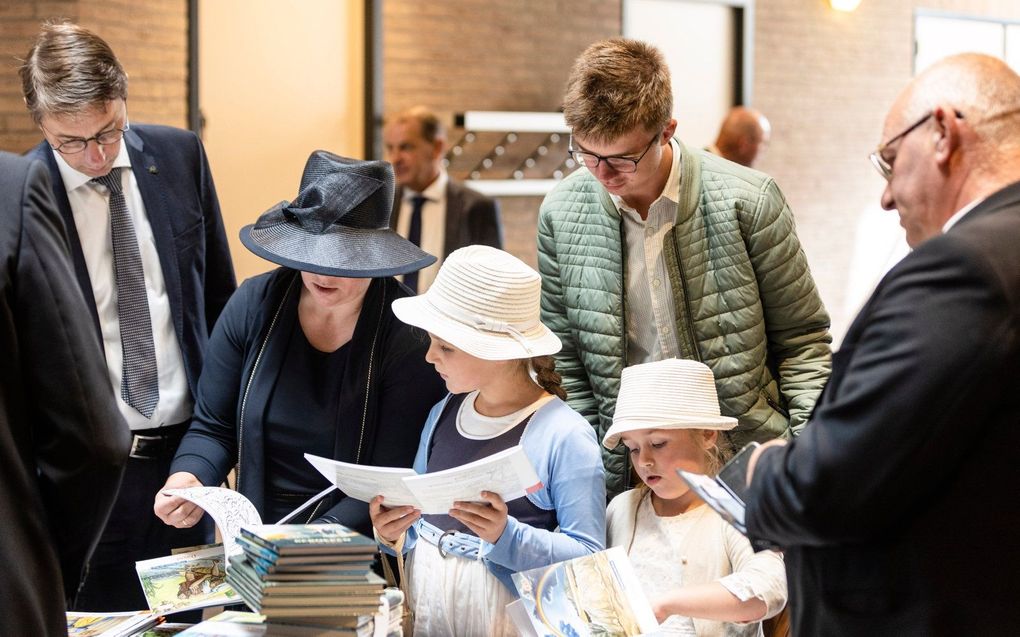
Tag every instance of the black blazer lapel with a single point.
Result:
(454, 212)
(153, 187)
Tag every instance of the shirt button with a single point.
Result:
(650, 230)
(656, 282)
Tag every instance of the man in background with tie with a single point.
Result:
(433, 211)
(151, 258)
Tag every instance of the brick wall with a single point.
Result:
(826, 80)
(150, 38)
(498, 55)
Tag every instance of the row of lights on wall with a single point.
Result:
(499, 149)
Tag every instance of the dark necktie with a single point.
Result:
(414, 236)
(139, 386)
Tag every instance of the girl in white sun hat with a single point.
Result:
(692, 563)
(488, 344)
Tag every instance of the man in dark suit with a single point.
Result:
(151, 258)
(63, 443)
(433, 211)
(897, 505)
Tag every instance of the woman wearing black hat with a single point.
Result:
(309, 358)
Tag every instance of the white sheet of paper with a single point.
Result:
(229, 509)
(364, 482)
(508, 473)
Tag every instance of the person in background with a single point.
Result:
(696, 568)
(653, 250)
(897, 507)
(62, 439)
(432, 210)
(743, 136)
(151, 259)
(309, 358)
(495, 356)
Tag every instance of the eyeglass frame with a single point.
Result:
(84, 141)
(573, 153)
(884, 166)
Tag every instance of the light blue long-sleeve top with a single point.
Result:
(562, 448)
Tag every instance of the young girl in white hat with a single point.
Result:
(691, 562)
(488, 344)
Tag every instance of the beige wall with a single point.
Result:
(277, 80)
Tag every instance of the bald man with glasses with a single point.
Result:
(897, 507)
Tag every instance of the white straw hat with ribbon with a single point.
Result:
(666, 394)
(485, 302)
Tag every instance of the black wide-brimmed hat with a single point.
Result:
(339, 224)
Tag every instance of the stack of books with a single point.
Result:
(308, 574)
(110, 624)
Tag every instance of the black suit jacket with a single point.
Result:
(180, 200)
(897, 505)
(63, 442)
(471, 218)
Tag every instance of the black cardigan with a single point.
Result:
(387, 391)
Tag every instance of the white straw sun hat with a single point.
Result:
(485, 302)
(667, 394)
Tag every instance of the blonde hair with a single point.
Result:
(617, 86)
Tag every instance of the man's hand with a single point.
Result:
(174, 510)
(778, 442)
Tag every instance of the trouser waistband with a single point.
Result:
(157, 442)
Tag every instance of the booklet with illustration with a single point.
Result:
(186, 581)
(594, 595)
(508, 473)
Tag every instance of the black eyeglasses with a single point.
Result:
(878, 160)
(105, 138)
(615, 162)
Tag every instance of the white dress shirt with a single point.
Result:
(91, 208)
(433, 224)
(651, 316)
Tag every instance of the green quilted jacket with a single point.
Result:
(746, 304)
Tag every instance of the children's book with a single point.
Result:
(109, 624)
(185, 581)
(303, 539)
(595, 595)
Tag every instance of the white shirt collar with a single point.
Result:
(960, 214)
(434, 191)
(74, 179)
(670, 191)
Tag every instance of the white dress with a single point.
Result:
(695, 547)
(453, 596)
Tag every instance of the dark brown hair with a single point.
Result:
(547, 376)
(69, 69)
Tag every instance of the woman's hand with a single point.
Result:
(390, 524)
(175, 510)
(487, 520)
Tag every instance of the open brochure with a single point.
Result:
(508, 473)
(594, 595)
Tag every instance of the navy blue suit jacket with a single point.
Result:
(180, 200)
(897, 505)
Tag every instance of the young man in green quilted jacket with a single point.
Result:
(654, 250)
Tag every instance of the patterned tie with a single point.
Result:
(139, 386)
(414, 236)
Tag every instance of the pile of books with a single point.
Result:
(309, 575)
(110, 624)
